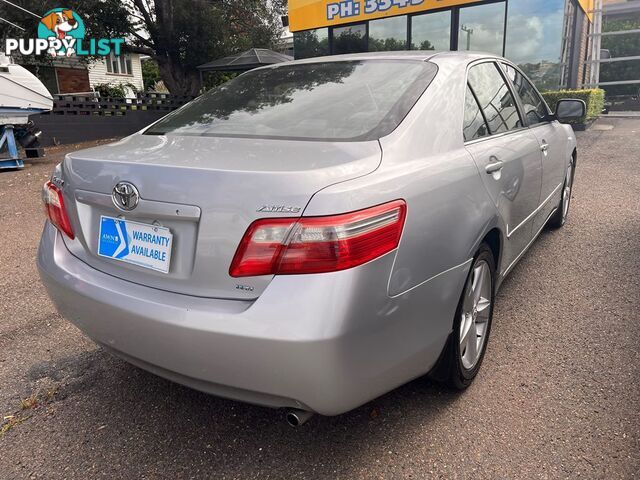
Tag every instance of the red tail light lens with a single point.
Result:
(55, 209)
(318, 244)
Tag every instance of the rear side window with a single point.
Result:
(494, 97)
(475, 125)
(534, 107)
(339, 100)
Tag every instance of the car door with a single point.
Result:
(552, 140)
(506, 153)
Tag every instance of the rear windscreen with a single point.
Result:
(340, 100)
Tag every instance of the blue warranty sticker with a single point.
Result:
(141, 244)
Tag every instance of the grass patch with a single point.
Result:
(35, 400)
(11, 421)
(29, 402)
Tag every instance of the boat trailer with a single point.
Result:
(10, 137)
(21, 95)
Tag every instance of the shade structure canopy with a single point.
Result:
(252, 58)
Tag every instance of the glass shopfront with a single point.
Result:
(431, 31)
(481, 28)
(528, 32)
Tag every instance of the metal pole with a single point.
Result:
(469, 31)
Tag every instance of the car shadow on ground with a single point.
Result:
(116, 405)
(112, 406)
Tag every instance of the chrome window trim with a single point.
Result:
(495, 135)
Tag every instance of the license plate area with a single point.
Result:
(147, 246)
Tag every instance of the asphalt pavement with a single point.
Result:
(558, 395)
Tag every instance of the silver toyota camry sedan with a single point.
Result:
(314, 234)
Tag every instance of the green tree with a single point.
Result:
(424, 45)
(386, 44)
(310, 44)
(178, 34)
(349, 42)
(150, 73)
(182, 34)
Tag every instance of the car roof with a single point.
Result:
(418, 55)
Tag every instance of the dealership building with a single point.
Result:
(548, 39)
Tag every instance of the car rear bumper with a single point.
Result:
(326, 343)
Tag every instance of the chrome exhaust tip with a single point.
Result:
(295, 417)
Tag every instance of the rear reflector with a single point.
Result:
(55, 210)
(283, 246)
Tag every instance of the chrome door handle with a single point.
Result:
(494, 167)
(544, 147)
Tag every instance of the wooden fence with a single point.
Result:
(80, 118)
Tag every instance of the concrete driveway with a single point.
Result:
(558, 395)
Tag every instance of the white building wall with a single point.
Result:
(98, 73)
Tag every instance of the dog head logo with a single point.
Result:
(62, 27)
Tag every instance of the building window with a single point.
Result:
(350, 39)
(311, 43)
(534, 39)
(621, 45)
(120, 65)
(482, 28)
(388, 34)
(431, 31)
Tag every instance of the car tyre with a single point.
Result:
(559, 218)
(462, 357)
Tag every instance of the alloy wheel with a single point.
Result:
(476, 309)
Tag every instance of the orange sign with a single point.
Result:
(587, 6)
(308, 14)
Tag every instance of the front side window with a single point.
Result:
(494, 97)
(535, 110)
(475, 125)
(333, 101)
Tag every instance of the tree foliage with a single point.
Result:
(178, 35)
(310, 44)
(150, 74)
(182, 34)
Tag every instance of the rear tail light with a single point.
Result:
(318, 244)
(55, 209)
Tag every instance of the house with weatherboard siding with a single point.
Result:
(70, 75)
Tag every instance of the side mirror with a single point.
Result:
(568, 110)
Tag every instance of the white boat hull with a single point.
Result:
(21, 94)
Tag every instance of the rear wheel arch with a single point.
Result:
(450, 366)
(494, 239)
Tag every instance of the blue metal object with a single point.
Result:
(6, 136)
